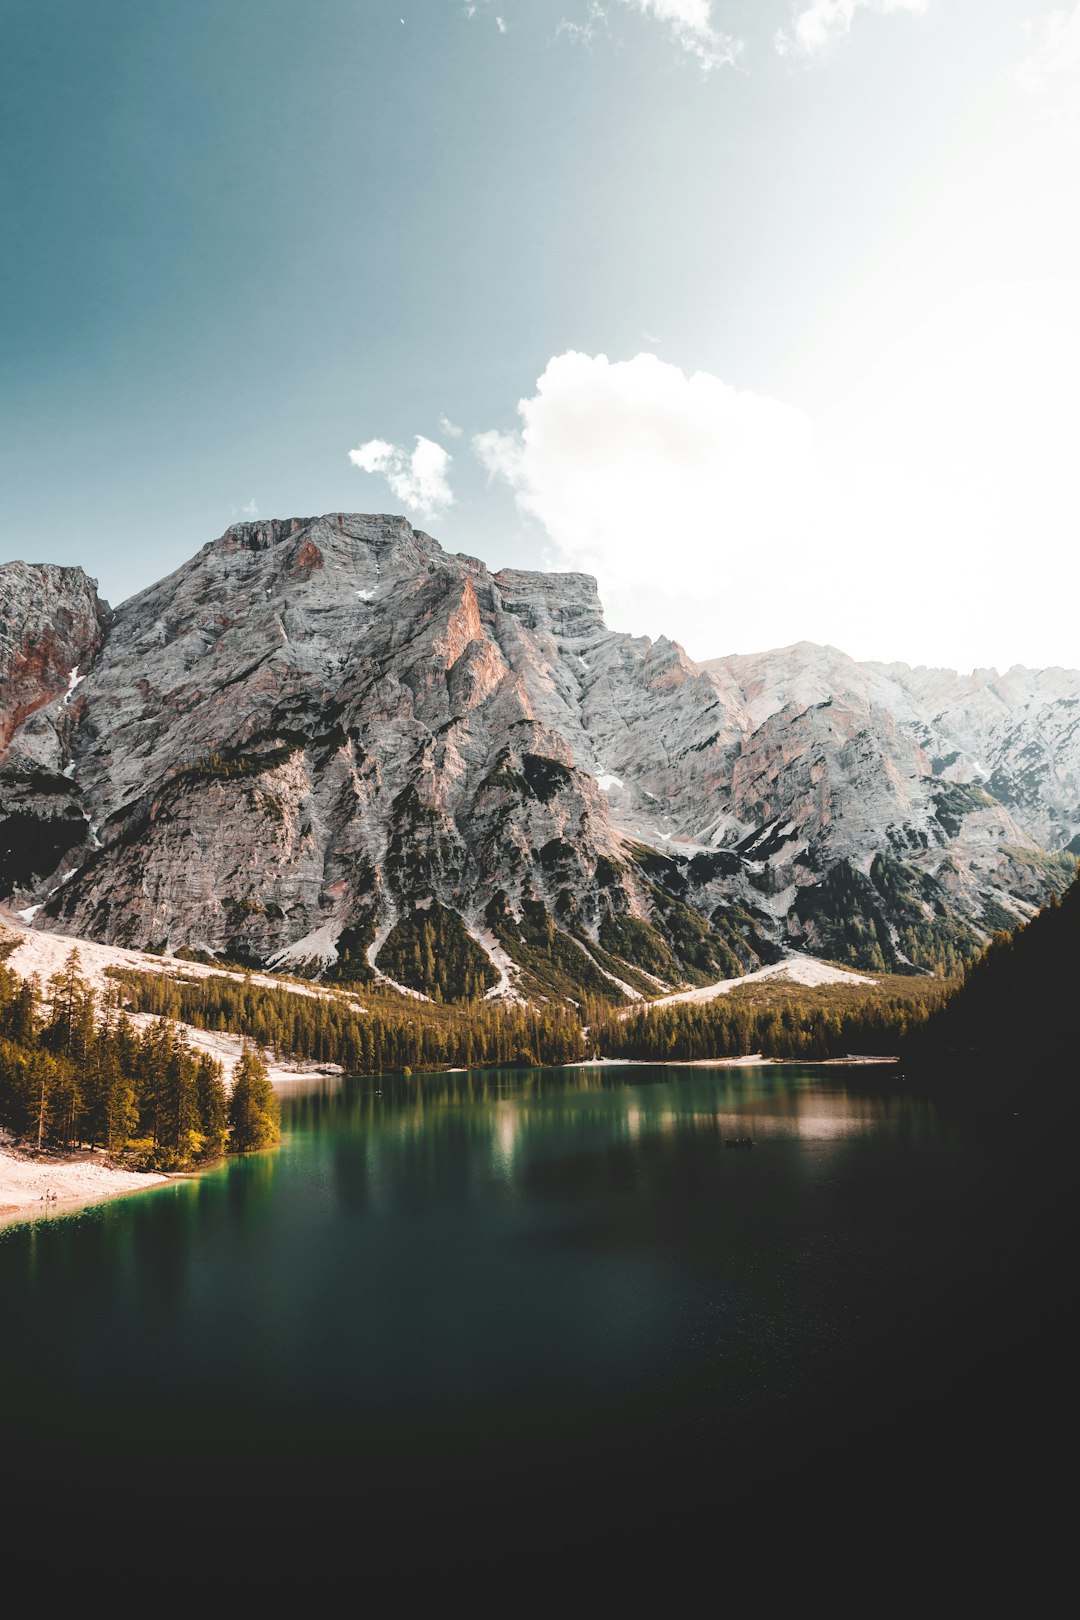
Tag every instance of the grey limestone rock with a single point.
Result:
(316, 727)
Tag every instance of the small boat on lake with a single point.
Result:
(739, 1142)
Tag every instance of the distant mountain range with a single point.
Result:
(328, 745)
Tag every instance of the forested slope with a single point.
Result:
(1016, 1009)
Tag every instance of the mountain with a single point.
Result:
(52, 625)
(326, 744)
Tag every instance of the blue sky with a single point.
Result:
(788, 291)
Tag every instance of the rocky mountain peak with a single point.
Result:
(319, 732)
(346, 533)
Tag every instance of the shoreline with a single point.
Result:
(36, 1188)
(33, 1188)
(752, 1060)
(855, 1061)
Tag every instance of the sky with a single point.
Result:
(764, 311)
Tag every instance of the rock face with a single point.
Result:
(52, 625)
(328, 744)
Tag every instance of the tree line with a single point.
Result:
(779, 1023)
(382, 1036)
(75, 1071)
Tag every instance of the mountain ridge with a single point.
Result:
(318, 738)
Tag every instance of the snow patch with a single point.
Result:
(599, 1063)
(627, 989)
(382, 934)
(808, 970)
(44, 953)
(778, 905)
(504, 965)
(318, 946)
(794, 969)
(68, 770)
(605, 782)
(365, 596)
(227, 1049)
(894, 940)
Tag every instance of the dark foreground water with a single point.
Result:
(463, 1321)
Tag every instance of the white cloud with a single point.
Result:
(418, 480)
(448, 427)
(817, 23)
(1051, 70)
(689, 22)
(655, 481)
(931, 518)
(250, 509)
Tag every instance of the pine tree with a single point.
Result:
(19, 1022)
(178, 1113)
(254, 1110)
(212, 1104)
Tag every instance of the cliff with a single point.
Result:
(319, 733)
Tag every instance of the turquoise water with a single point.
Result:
(527, 1294)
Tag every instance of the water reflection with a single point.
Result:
(766, 1103)
(436, 1243)
(456, 1290)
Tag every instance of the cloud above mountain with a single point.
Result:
(926, 516)
(418, 478)
(611, 456)
(641, 474)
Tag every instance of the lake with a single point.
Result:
(489, 1310)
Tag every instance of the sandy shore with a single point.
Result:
(756, 1060)
(752, 1060)
(32, 1187)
